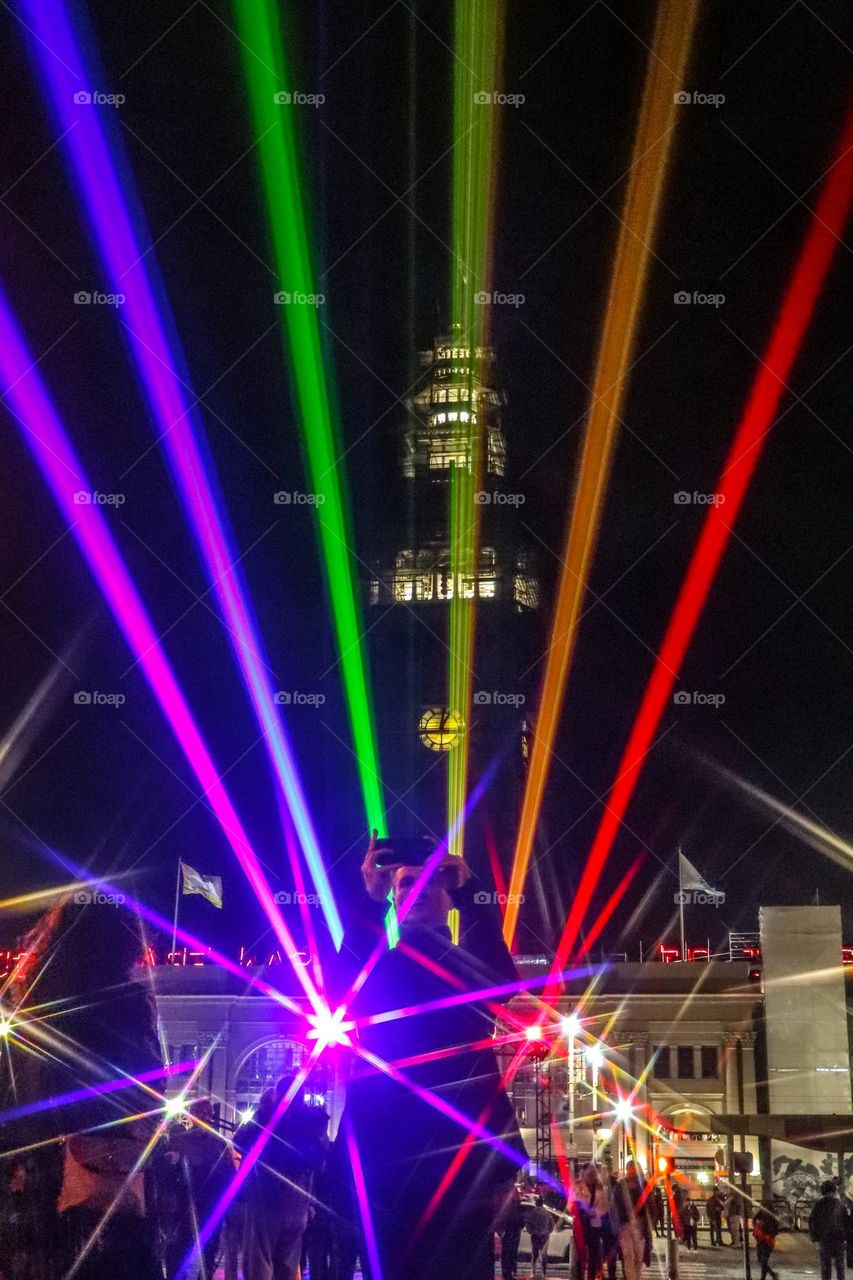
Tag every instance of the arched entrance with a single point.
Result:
(260, 1069)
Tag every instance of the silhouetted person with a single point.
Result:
(765, 1229)
(828, 1227)
(434, 1191)
(539, 1225)
(657, 1211)
(513, 1225)
(630, 1205)
(88, 1022)
(279, 1187)
(690, 1224)
(203, 1168)
(592, 1207)
(734, 1217)
(714, 1208)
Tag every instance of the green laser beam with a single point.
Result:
(478, 45)
(274, 111)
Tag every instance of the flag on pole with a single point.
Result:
(689, 879)
(209, 887)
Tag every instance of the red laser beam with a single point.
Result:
(610, 906)
(827, 223)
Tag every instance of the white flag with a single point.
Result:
(209, 887)
(689, 879)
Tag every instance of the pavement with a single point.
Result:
(795, 1258)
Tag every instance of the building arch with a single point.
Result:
(262, 1064)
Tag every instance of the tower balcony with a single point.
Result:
(424, 577)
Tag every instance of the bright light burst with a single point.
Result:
(595, 1056)
(623, 1111)
(329, 1028)
(570, 1026)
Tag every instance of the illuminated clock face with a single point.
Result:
(440, 729)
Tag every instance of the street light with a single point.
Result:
(624, 1113)
(571, 1026)
(666, 1167)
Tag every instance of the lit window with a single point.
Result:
(526, 591)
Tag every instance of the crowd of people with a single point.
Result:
(99, 1181)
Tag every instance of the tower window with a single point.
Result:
(662, 1062)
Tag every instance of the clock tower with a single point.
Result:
(408, 620)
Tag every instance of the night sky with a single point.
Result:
(107, 785)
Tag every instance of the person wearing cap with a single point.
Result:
(435, 1185)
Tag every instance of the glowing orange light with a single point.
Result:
(652, 145)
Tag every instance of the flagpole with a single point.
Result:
(681, 908)
(177, 904)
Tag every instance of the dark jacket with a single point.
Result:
(406, 1143)
(828, 1221)
(714, 1207)
(630, 1203)
(293, 1153)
